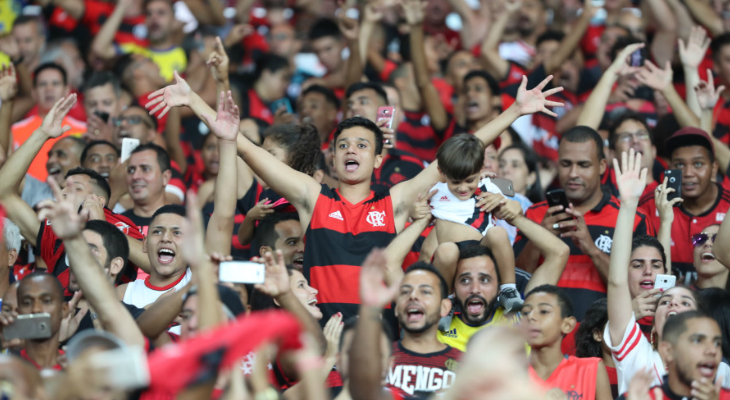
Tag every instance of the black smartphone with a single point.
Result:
(674, 181)
(557, 197)
(104, 116)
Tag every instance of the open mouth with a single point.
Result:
(707, 257)
(54, 171)
(646, 284)
(688, 186)
(472, 107)
(351, 165)
(414, 314)
(298, 262)
(707, 369)
(307, 120)
(671, 314)
(475, 306)
(165, 256)
(313, 303)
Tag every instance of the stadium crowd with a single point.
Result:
(365, 199)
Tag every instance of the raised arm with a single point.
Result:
(366, 365)
(225, 128)
(414, 10)
(16, 166)
(350, 29)
(74, 8)
(666, 218)
(707, 97)
(661, 81)
(572, 39)
(631, 181)
(704, 14)
(721, 246)
(692, 55)
(103, 43)
(553, 250)
(594, 107)
(665, 34)
(399, 248)
(208, 12)
(502, 10)
(8, 90)
(98, 290)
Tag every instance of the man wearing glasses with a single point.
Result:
(704, 202)
(134, 122)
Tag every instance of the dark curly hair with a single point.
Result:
(301, 143)
(595, 319)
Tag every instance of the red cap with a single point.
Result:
(689, 136)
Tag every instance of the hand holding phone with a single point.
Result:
(128, 146)
(505, 186)
(385, 113)
(241, 272)
(558, 197)
(29, 326)
(674, 181)
(665, 282)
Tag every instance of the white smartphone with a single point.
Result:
(665, 282)
(241, 272)
(123, 368)
(128, 146)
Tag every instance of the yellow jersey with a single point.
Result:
(9, 10)
(459, 332)
(169, 60)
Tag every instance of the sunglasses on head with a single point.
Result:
(700, 238)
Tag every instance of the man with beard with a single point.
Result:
(476, 282)
(421, 302)
(282, 231)
(64, 156)
(692, 346)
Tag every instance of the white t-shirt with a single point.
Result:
(142, 293)
(446, 206)
(635, 354)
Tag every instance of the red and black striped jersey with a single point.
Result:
(722, 121)
(253, 107)
(668, 394)
(53, 253)
(416, 136)
(419, 374)
(339, 238)
(397, 166)
(580, 278)
(131, 30)
(576, 377)
(685, 225)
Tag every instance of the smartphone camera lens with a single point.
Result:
(672, 179)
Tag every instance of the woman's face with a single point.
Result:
(490, 159)
(672, 302)
(512, 166)
(646, 264)
(210, 156)
(306, 294)
(277, 151)
(704, 260)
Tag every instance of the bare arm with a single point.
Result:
(172, 140)
(431, 100)
(665, 36)
(158, 317)
(704, 14)
(571, 41)
(137, 255)
(74, 8)
(684, 18)
(594, 107)
(492, 61)
(692, 55)
(603, 385)
(666, 218)
(103, 43)
(707, 96)
(350, 29)
(631, 181)
(8, 90)
(399, 248)
(207, 12)
(661, 80)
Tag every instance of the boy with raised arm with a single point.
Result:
(342, 225)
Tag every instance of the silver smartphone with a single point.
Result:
(665, 282)
(29, 326)
(128, 146)
(241, 272)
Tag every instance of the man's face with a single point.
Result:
(634, 135)
(162, 244)
(133, 123)
(646, 264)
(10, 304)
(579, 170)
(77, 188)
(476, 288)
(722, 63)
(697, 170)
(329, 52)
(478, 99)
(145, 180)
(355, 157)
(49, 89)
(96, 245)
(704, 259)
(544, 51)
(606, 43)
(418, 305)
(698, 351)
(460, 64)
(63, 157)
(30, 40)
(209, 155)
(542, 322)
(436, 12)
(277, 82)
(189, 314)
(463, 189)
(316, 110)
(290, 242)
(159, 19)
(531, 16)
(101, 158)
(364, 103)
(73, 63)
(282, 40)
(40, 294)
(102, 99)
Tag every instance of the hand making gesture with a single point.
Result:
(176, 95)
(630, 177)
(535, 100)
(225, 125)
(52, 122)
(373, 292)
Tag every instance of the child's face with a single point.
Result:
(542, 323)
(462, 189)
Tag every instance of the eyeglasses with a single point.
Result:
(636, 136)
(700, 239)
(131, 120)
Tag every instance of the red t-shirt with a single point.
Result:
(24, 354)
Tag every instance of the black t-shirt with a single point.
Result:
(88, 323)
(142, 222)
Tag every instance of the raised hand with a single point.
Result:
(644, 305)
(349, 27)
(414, 11)
(707, 95)
(176, 95)
(665, 207)
(225, 125)
(333, 332)
(373, 11)
(630, 177)
(8, 83)
(64, 217)
(640, 386)
(218, 61)
(70, 322)
(620, 65)
(694, 51)
(373, 292)
(421, 208)
(52, 122)
(238, 32)
(94, 205)
(535, 100)
(276, 283)
(193, 249)
(655, 77)
(260, 210)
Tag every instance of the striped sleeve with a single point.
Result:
(632, 355)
